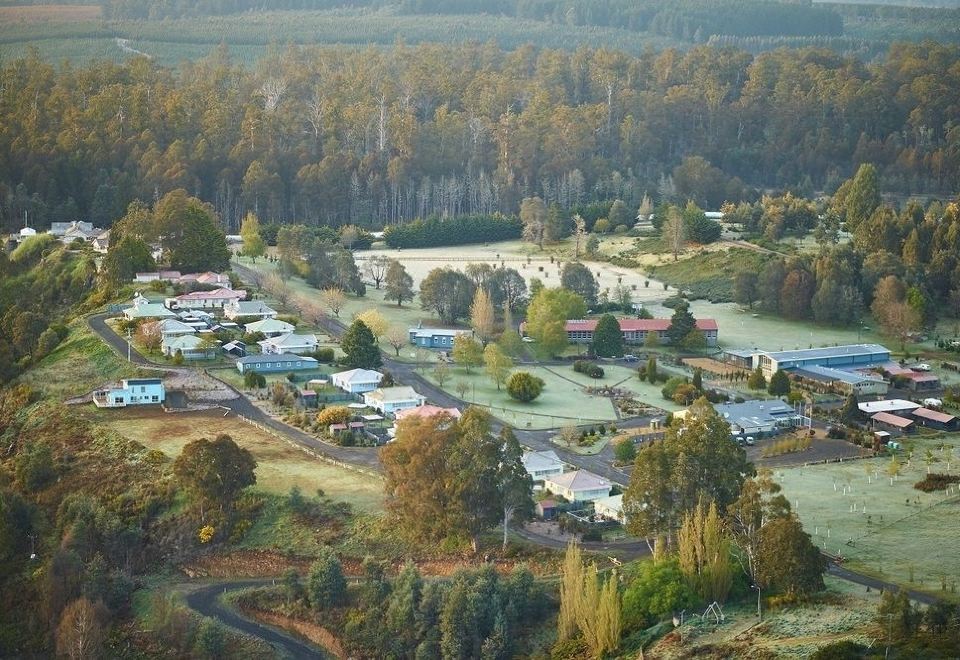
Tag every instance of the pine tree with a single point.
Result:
(756, 381)
(779, 383)
(607, 337)
(360, 347)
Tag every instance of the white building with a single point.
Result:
(357, 381)
(191, 347)
(216, 299)
(610, 507)
(894, 406)
(289, 343)
(578, 486)
(144, 309)
(390, 400)
(542, 464)
(269, 327)
(248, 308)
(175, 328)
(131, 392)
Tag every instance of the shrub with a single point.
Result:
(625, 452)
(326, 586)
(333, 415)
(524, 387)
(936, 481)
(588, 368)
(34, 466)
(324, 355)
(252, 380)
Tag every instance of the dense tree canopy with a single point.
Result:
(470, 129)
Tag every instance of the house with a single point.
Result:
(25, 233)
(435, 337)
(101, 242)
(635, 331)
(216, 299)
(248, 308)
(935, 419)
(848, 357)
(391, 400)
(895, 406)
(547, 509)
(289, 343)
(235, 348)
(130, 392)
(269, 327)
(578, 486)
(357, 381)
(918, 381)
(542, 464)
(70, 231)
(427, 410)
(175, 328)
(191, 347)
(275, 363)
(157, 276)
(828, 379)
(144, 309)
(208, 278)
(891, 422)
(758, 417)
(610, 508)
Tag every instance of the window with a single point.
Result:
(143, 388)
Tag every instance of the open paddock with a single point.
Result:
(280, 465)
(879, 523)
(49, 13)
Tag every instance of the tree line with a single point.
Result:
(331, 136)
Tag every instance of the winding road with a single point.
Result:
(206, 601)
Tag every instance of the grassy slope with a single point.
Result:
(710, 275)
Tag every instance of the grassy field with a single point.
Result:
(896, 531)
(78, 365)
(279, 465)
(710, 275)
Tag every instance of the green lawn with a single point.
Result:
(561, 403)
(902, 528)
(78, 365)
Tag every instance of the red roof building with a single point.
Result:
(635, 331)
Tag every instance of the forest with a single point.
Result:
(332, 136)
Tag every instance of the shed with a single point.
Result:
(547, 509)
(891, 422)
(936, 419)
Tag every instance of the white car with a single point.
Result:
(528, 340)
(923, 366)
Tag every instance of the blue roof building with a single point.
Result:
(263, 364)
(837, 357)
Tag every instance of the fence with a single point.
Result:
(319, 455)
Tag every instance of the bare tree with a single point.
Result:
(149, 335)
(334, 299)
(272, 91)
(397, 337)
(569, 435)
(579, 234)
(441, 373)
(376, 269)
(80, 634)
(278, 288)
(674, 233)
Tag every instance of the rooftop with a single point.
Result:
(933, 415)
(887, 405)
(268, 325)
(398, 393)
(358, 376)
(827, 374)
(579, 480)
(540, 460)
(892, 420)
(849, 350)
(216, 294)
(440, 332)
(290, 339)
(282, 357)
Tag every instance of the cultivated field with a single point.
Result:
(890, 530)
(279, 464)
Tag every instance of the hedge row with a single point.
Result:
(464, 229)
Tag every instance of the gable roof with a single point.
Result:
(579, 480)
(291, 339)
(268, 325)
(216, 294)
(427, 410)
(168, 326)
(358, 376)
(892, 420)
(183, 342)
(933, 415)
(243, 307)
(540, 460)
(398, 393)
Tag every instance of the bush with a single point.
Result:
(326, 586)
(524, 387)
(333, 415)
(324, 355)
(252, 380)
(588, 368)
(434, 231)
(34, 466)
(936, 481)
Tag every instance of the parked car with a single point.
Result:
(528, 340)
(750, 441)
(923, 366)
(630, 358)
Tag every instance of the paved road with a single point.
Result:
(206, 601)
(867, 581)
(365, 457)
